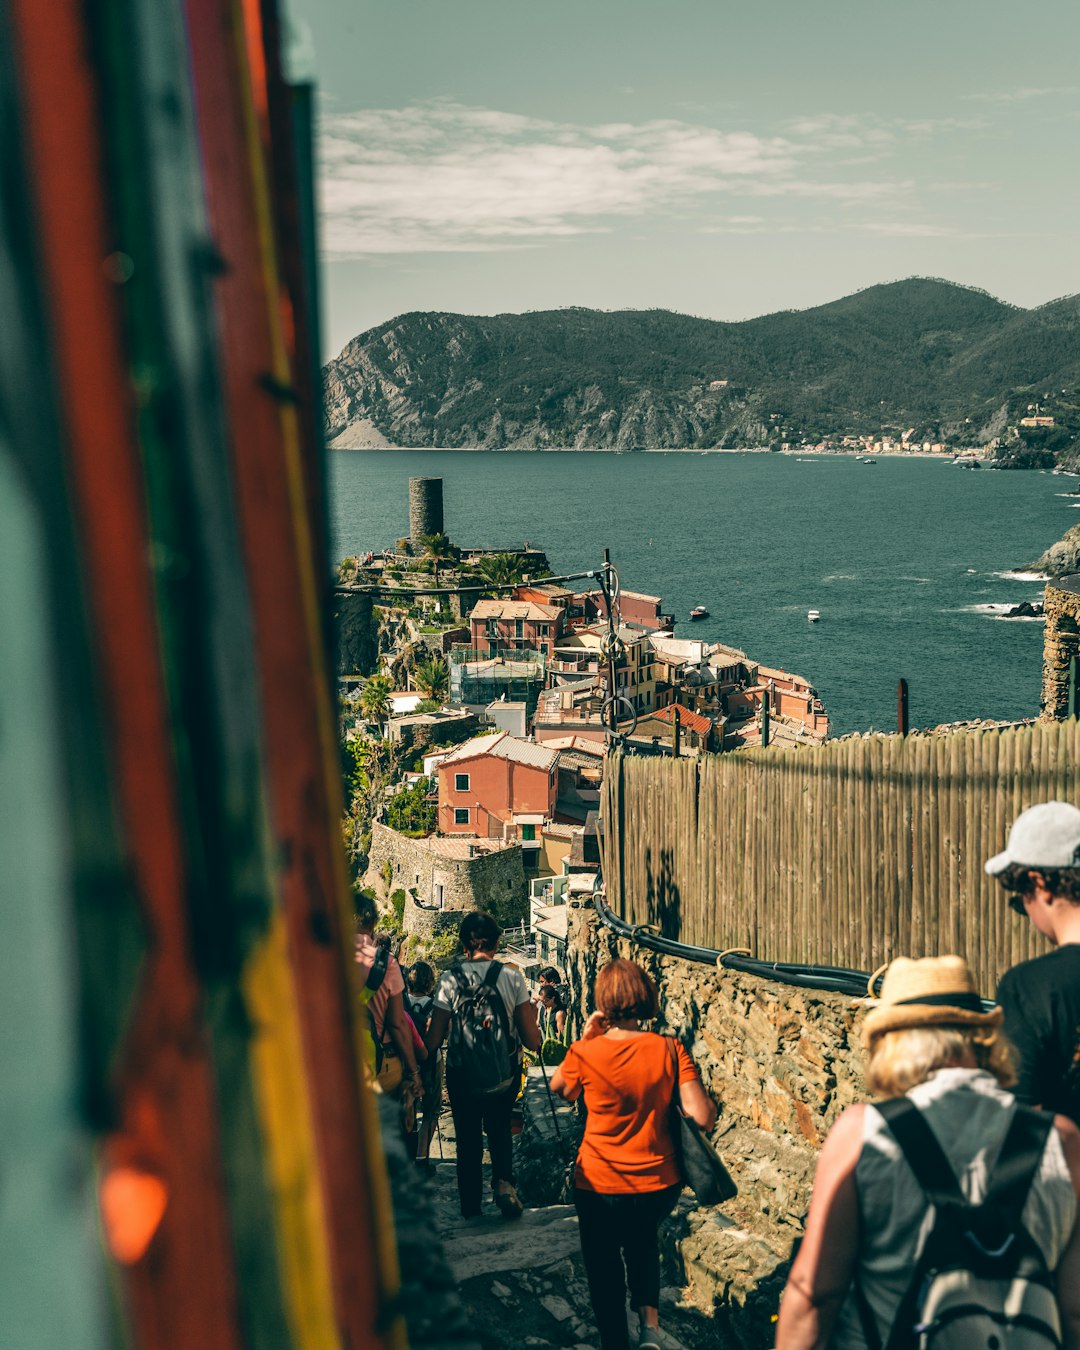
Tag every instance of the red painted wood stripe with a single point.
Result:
(294, 698)
(181, 1292)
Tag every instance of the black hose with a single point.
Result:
(835, 979)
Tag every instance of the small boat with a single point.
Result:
(867, 460)
(813, 615)
(699, 612)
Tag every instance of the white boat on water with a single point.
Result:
(813, 615)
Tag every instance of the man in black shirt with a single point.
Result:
(1041, 998)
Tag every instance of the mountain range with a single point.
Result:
(945, 362)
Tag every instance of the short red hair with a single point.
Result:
(623, 990)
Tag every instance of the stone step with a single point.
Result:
(492, 1244)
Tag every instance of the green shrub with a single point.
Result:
(397, 904)
(410, 812)
(387, 871)
(441, 951)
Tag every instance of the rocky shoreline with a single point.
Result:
(1061, 559)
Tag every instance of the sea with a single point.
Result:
(911, 562)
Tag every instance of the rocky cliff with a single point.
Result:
(1061, 559)
(943, 361)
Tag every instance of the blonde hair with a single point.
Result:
(902, 1059)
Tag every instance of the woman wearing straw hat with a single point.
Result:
(932, 1042)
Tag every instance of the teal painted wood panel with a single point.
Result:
(51, 1277)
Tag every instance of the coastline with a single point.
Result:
(794, 453)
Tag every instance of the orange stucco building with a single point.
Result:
(498, 787)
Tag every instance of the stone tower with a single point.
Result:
(425, 508)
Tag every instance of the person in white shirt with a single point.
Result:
(477, 1113)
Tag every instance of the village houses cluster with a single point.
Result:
(513, 754)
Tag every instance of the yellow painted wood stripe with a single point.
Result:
(382, 1221)
(277, 1064)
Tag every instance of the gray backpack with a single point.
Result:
(980, 1279)
(483, 1046)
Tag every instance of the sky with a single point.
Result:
(723, 160)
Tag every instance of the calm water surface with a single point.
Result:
(904, 558)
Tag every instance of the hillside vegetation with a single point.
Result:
(952, 363)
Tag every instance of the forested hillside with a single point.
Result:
(947, 361)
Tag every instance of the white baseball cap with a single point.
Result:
(1047, 835)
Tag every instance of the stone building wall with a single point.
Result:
(429, 730)
(494, 882)
(1061, 642)
(781, 1064)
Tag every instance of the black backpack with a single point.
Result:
(420, 1010)
(380, 964)
(980, 1278)
(483, 1046)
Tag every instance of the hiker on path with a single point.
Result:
(551, 978)
(394, 1061)
(552, 1012)
(944, 1066)
(1041, 998)
(485, 1007)
(627, 1176)
(419, 1005)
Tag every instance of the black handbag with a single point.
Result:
(700, 1165)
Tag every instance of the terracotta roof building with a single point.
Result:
(697, 733)
(502, 787)
(508, 625)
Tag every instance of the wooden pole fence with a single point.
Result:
(849, 854)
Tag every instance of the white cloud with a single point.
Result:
(909, 229)
(1022, 94)
(924, 230)
(835, 131)
(441, 176)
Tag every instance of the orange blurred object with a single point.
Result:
(132, 1205)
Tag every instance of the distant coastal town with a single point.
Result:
(479, 695)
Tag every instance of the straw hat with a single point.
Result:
(936, 991)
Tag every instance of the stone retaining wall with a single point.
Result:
(423, 921)
(781, 1064)
(494, 882)
(1061, 642)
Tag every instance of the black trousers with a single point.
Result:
(473, 1118)
(615, 1229)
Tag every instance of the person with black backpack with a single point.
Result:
(419, 1005)
(945, 1216)
(485, 1007)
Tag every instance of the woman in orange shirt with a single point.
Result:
(627, 1176)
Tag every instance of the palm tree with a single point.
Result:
(432, 677)
(375, 699)
(440, 550)
(500, 569)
